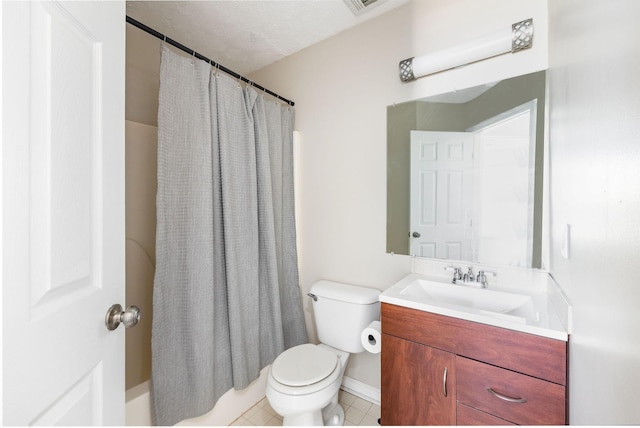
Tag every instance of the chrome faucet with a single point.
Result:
(469, 278)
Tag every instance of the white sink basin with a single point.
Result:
(467, 298)
(523, 309)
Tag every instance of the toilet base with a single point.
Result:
(332, 415)
(304, 419)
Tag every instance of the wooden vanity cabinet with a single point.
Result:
(494, 376)
(421, 393)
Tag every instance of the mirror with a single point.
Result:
(465, 174)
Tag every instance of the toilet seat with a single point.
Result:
(304, 365)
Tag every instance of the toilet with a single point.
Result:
(304, 381)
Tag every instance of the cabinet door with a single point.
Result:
(418, 384)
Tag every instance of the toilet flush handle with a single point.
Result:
(313, 296)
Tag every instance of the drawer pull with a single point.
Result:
(444, 382)
(506, 397)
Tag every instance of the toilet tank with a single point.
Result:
(342, 311)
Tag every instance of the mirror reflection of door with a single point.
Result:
(441, 194)
(472, 193)
(503, 190)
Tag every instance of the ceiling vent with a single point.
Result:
(358, 6)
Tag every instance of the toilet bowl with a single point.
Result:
(304, 381)
(303, 385)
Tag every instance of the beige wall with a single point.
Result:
(341, 88)
(401, 120)
(142, 77)
(140, 211)
(594, 63)
(141, 135)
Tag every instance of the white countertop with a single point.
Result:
(544, 319)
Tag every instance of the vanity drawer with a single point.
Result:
(542, 402)
(469, 416)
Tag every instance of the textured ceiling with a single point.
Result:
(245, 35)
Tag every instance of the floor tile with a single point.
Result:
(346, 398)
(361, 404)
(374, 410)
(261, 417)
(369, 421)
(357, 412)
(354, 415)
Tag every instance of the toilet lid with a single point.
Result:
(303, 365)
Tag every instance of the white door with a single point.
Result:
(441, 199)
(62, 212)
(504, 187)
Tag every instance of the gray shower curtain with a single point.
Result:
(226, 299)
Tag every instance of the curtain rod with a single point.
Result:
(183, 48)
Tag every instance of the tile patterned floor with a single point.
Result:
(358, 412)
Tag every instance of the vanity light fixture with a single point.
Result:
(518, 38)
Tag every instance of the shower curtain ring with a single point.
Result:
(164, 43)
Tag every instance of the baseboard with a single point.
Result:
(361, 389)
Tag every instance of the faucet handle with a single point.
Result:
(457, 273)
(482, 276)
(487, 273)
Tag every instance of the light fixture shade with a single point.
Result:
(518, 38)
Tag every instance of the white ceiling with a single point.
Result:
(246, 35)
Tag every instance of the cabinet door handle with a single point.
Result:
(444, 382)
(506, 397)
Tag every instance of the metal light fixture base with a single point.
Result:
(406, 70)
(522, 35)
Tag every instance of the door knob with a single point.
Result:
(415, 234)
(115, 315)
